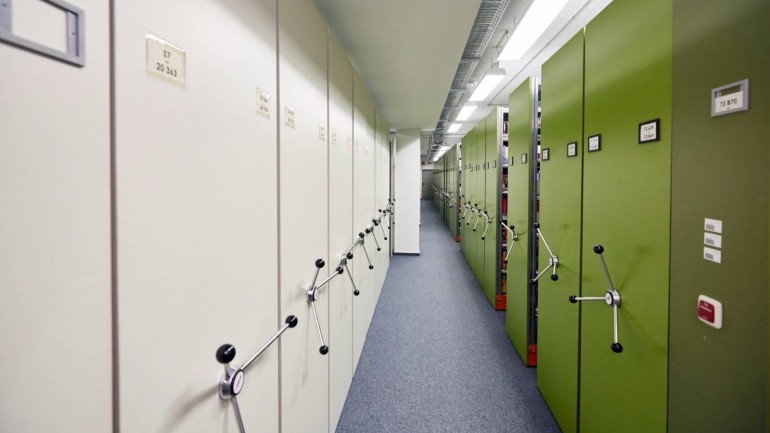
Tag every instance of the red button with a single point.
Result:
(706, 311)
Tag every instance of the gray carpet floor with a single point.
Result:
(437, 358)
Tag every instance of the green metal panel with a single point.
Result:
(492, 198)
(465, 183)
(721, 170)
(478, 198)
(626, 208)
(517, 314)
(560, 222)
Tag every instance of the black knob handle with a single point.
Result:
(598, 249)
(386, 238)
(368, 230)
(616, 347)
(554, 277)
(483, 238)
(225, 354)
(356, 292)
(379, 210)
(376, 222)
(573, 299)
(361, 235)
(324, 349)
(339, 269)
(320, 263)
(371, 266)
(349, 256)
(291, 321)
(379, 249)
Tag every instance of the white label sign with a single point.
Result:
(648, 131)
(321, 132)
(291, 119)
(712, 225)
(727, 103)
(712, 255)
(263, 102)
(166, 61)
(594, 143)
(712, 240)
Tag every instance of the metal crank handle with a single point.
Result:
(324, 349)
(366, 253)
(374, 236)
(355, 289)
(486, 226)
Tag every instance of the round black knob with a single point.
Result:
(386, 238)
(379, 210)
(598, 249)
(573, 299)
(371, 266)
(537, 225)
(379, 249)
(474, 229)
(483, 238)
(349, 256)
(292, 321)
(505, 261)
(554, 277)
(320, 263)
(356, 292)
(339, 269)
(376, 222)
(324, 349)
(225, 354)
(361, 235)
(616, 347)
(368, 230)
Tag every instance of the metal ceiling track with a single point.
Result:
(488, 17)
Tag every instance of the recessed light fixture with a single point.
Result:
(488, 84)
(538, 17)
(454, 127)
(466, 112)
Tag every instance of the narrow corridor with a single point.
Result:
(437, 358)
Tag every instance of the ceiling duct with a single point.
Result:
(488, 17)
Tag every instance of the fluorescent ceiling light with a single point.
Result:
(538, 17)
(488, 84)
(454, 127)
(466, 112)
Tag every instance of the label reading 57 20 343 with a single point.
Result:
(165, 60)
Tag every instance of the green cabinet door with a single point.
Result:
(561, 178)
(491, 203)
(626, 208)
(519, 311)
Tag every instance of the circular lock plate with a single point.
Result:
(608, 298)
(237, 383)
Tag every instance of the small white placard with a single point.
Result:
(731, 102)
(594, 143)
(321, 132)
(648, 131)
(291, 116)
(730, 98)
(165, 60)
(263, 102)
(572, 149)
(711, 225)
(712, 255)
(523, 158)
(712, 240)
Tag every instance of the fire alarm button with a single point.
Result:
(710, 311)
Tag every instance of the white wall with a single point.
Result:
(220, 210)
(408, 178)
(55, 310)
